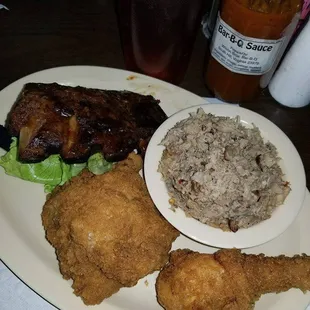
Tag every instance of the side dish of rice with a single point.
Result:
(222, 173)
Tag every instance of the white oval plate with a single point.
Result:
(265, 231)
(23, 246)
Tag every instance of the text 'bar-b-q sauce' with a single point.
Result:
(246, 43)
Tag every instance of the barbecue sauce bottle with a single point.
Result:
(245, 44)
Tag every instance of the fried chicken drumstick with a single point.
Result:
(227, 279)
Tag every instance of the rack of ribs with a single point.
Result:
(76, 122)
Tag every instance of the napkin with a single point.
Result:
(15, 295)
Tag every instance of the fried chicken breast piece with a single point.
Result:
(106, 231)
(227, 279)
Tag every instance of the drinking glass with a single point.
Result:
(158, 35)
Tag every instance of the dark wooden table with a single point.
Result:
(40, 34)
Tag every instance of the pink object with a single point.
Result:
(304, 13)
(305, 9)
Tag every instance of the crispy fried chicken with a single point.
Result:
(106, 231)
(227, 279)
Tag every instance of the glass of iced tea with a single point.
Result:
(158, 35)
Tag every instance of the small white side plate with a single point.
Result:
(281, 218)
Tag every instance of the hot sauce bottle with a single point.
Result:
(245, 44)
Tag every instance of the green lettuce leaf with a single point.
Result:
(98, 165)
(52, 171)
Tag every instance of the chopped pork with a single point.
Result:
(221, 172)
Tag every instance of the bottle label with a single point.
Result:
(241, 54)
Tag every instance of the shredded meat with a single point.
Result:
(222, 173)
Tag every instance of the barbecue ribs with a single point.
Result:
(76, 122)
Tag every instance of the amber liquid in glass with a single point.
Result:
(158, 35)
